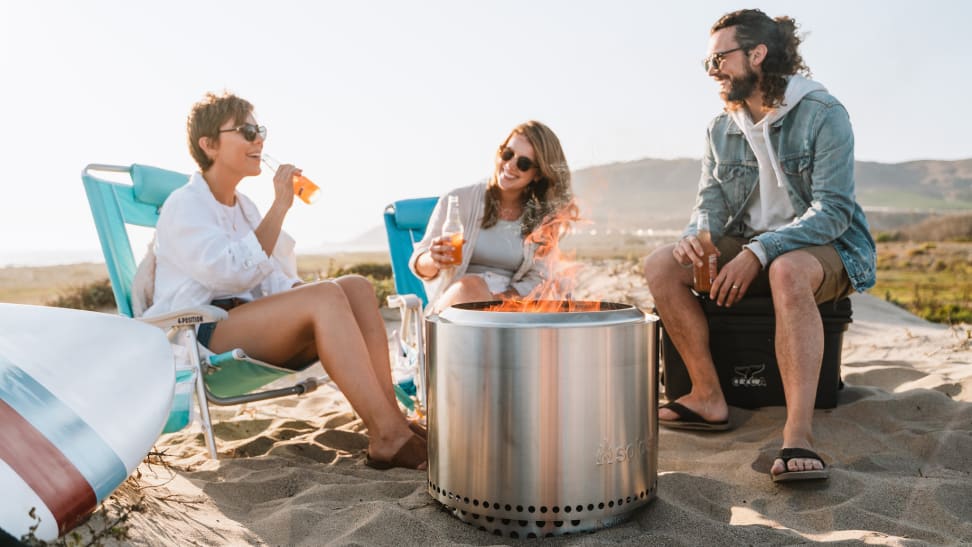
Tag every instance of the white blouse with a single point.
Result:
(205, 250)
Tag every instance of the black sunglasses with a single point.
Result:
(249, 131)
(523, 163)
(714, 61)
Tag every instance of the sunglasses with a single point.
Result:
(249, 131)
(523, 163)
(714, 61)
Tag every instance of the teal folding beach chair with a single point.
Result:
(405, 222)
(223, 379)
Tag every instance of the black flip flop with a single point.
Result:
(787, 454)
(690, 420)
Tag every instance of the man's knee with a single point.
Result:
(660, 266)
(795, 271)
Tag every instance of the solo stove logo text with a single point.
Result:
(609, 454)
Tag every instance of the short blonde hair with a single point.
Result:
(205, 118)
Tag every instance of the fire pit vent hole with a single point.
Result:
(548, 528)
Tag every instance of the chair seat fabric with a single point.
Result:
(229, 376)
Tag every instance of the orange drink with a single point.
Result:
(452, 229)
(456, 241)
(305, 189)
(704, 275)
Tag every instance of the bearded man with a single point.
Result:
(778, 185)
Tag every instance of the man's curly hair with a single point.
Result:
(753, 27)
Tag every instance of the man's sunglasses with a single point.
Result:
(714, 61)
(523, 163)
(249, 131)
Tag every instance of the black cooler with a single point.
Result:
(741, 339)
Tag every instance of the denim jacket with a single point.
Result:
(815, 146)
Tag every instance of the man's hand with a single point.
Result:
(734, 279)
(689, 251)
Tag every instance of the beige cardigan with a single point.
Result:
(472, 209)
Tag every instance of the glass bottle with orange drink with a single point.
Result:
(705, 274)
(303, 187)
(452, 230)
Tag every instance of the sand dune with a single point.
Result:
(899, 445)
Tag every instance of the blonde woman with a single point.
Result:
(214, 247)
(530, 184)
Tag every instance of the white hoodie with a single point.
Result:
(770, 207)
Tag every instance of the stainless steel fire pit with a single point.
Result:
(542, 423)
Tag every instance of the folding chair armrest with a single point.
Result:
(404, 301)
(187, 317)
(411, 347)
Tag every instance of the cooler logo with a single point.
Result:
(749, 376)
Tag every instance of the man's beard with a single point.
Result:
(740, 88)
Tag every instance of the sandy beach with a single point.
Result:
(898, 444)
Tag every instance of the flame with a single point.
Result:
(554, 293)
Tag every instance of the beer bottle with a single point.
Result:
(303, 187)
(452, 229)
(704, 275)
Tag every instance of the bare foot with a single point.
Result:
(409, 451)
(796, 464)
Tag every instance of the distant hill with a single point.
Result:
(926, 184)
(953, 227)
(646, 193)
(660, 193)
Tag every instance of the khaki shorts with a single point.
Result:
(835, 285)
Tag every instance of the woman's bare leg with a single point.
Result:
(284, 326)
(468, 288)
(364, 305)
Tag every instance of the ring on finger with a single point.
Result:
(734, 286)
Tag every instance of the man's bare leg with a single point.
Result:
(799, 349)
(670, 285)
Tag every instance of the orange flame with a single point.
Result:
(554, 293)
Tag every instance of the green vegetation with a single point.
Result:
(38, 284)
(317, 266)
(931, 280)
(950, 227)
(373, 266)
(380, 276)
(92, 296)
(906, 199)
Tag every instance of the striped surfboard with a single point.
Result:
(83, 397)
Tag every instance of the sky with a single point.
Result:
(383, 100)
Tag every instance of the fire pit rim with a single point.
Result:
(472, 314)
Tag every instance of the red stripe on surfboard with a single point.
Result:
(45, 469)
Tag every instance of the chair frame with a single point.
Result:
(405, 224)
(115, 205)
